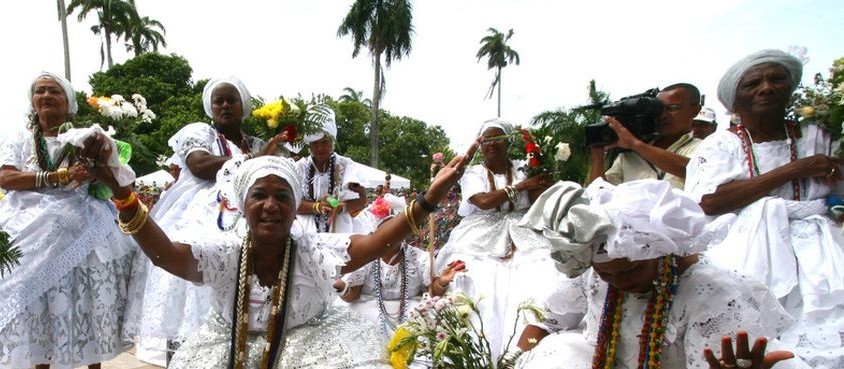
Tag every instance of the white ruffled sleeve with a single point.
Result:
(358, 277)
(565, 305)
(193, 137)
(474, 181)
(322, 255)
(217, 260)
(13, 151)
(423, 265)
(719, 159)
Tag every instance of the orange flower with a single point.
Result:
(94, 102)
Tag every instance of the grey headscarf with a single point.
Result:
(72, 107)
(729, 82)
(245, 97)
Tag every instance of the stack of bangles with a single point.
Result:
(317, 207)
(512, 193)
(43, 178)
(408, 214)
(138, 219)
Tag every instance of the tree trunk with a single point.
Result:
(499, 92)
(63, 19)
(373, 125)
(108, 48)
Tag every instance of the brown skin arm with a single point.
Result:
(740, 193)
(352, 295)
(663, 159)
(204, 165)
(359, 203)
(596, 163)
(531, 332)
(365, 248)
(489, 200)
(173, 257)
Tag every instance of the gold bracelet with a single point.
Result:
(408, 214)
(63, 176)
(317, 207)
(137, 222)
(122, 203)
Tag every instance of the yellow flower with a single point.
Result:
(400, 349)
(272, 123)
(2, 196)
(806, 112)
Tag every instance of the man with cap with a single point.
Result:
(704, 123)
(332, 190)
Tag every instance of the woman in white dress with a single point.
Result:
(775, 175)
(332, 192)
(504, 261)
(63, 305)
(385, 290)
(273, 285)
(649, 299)
(164, 307)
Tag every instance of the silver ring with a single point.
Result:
(744, 363)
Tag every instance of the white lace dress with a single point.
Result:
(345, 172)
(316, 335)
(64, 303)
(792, 246)
(710, 303)
(164, 306)
(418, 278)
(482, 240)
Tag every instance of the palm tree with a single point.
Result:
(385, 28)
(63, 19)
(115, 17)
(352, 95)
(499, 55)
(145, 36)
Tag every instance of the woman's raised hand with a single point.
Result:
(97, 150)
(744, 357)
(451, 172)
(271, 147)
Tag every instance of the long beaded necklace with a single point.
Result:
(223, 143)
(491, 179)
(653, 329)
(321, 219)
(387, 323)
(240, 319)
(41, 153)
(750, 154)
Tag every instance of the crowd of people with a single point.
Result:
(699, 248)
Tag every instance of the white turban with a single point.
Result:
(329, 125)
(496, 123)
(245, 97)
(72, 107)
(637, 220)
(238, 175)
(729, 82)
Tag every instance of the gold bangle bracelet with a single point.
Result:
(408, 213)
(63, 176)
(139, 219)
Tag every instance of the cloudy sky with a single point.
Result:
(289, 47)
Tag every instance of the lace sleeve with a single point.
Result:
(423, 266)
(217, 261)
(13, 150)
(719, 159)
(358, 277)
(718, 303)
(564, 306)
(322, 256)
(193, 137)
(474, 181)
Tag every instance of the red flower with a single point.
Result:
(531, 147)
(292, 133)
(533, 162)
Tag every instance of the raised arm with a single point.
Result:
(365, 248)
(173, 257)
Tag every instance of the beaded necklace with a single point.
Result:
(223, 143)
(321, 219)
(41, 153)
(750, 154)
(240, 314)
(491, 179)
(387, 323)
(653, 329)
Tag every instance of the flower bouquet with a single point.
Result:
(823, 103)
(448, 332)
(297, 118)
(545, 156)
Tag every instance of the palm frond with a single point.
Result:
(9, 255)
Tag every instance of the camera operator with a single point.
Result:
(663, 158)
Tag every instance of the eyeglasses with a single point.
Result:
(494, 140)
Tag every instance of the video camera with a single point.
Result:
(637, 113)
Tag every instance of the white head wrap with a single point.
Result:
(637, 220)
(245, 97)
(237, 176)
(72, 107)
(329, 126)
(729, 82)
(496, 123)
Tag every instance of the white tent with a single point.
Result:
(157, 179)
(372, 177)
